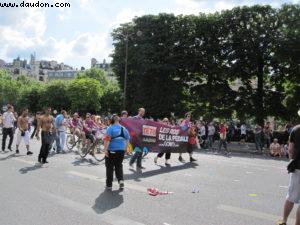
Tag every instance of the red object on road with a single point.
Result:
(155, 192)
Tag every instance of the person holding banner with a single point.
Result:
(115, 145)
(192, 141)
(168, 154)
(138, 152)
(223, 138)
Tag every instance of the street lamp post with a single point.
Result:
(126, 38)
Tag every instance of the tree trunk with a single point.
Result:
(260, 93)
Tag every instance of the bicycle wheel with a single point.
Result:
(100, 146)
(71, 141)
(95, 153)
(83, 152)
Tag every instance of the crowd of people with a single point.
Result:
(203, 135)
(117, 137)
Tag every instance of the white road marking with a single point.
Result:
(83, 208)
(251, 213)
(286, 187)
(103, 180)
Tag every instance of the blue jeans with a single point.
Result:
(210, 140)
(258, 143)
(57, 141)
(62, 139)
(137, 156)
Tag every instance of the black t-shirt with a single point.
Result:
(295, 138)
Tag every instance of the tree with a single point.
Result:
(85, 95)
(252, 39)
(94, 73)
(111, 101)
(31, 96)
(55, 94)
(9, 90)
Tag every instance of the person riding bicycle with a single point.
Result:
(76, 126)
(89, 128)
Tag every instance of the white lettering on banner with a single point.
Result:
(169, 144)
(164, 130)
(174, 131)
(162, 137)
(149, 140)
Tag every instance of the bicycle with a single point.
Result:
(73, 140)
(91, 147)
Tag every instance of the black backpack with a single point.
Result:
(120, 135)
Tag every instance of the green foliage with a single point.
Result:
(55, 94)
(96, 74)
(111, 99)
(190, 63)
(85, 95)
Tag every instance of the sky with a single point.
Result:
(76, 34)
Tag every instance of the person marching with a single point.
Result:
(115, 145)
(293, 195)
(192, 141)
(165, 121)
(138, 150)
(8, 120)
(46, 123)
(23, 132)
(223, 138)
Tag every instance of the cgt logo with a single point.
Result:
(149, 131)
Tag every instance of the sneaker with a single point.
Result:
(280, 222)
(141, 167)
(167, 163)
(108, 188)
(17, 151)
(180, 159)
(29, 153)
(121, 184)
(10, 149)
(155, 160)
(192, 159)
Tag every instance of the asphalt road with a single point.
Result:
(239, 190)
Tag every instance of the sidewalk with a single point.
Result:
(241, 148)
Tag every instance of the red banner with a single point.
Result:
(157, 137)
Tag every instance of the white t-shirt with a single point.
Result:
(243, 129)
(202, 131)
(8, 120)
(211, 130)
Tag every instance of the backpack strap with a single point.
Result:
(120, 135)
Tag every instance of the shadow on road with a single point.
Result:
(10, 156)
(168, 169)
(30, 168)
(83, 162)
(108, 200)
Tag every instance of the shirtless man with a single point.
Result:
(46, 123)
(22, 132)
